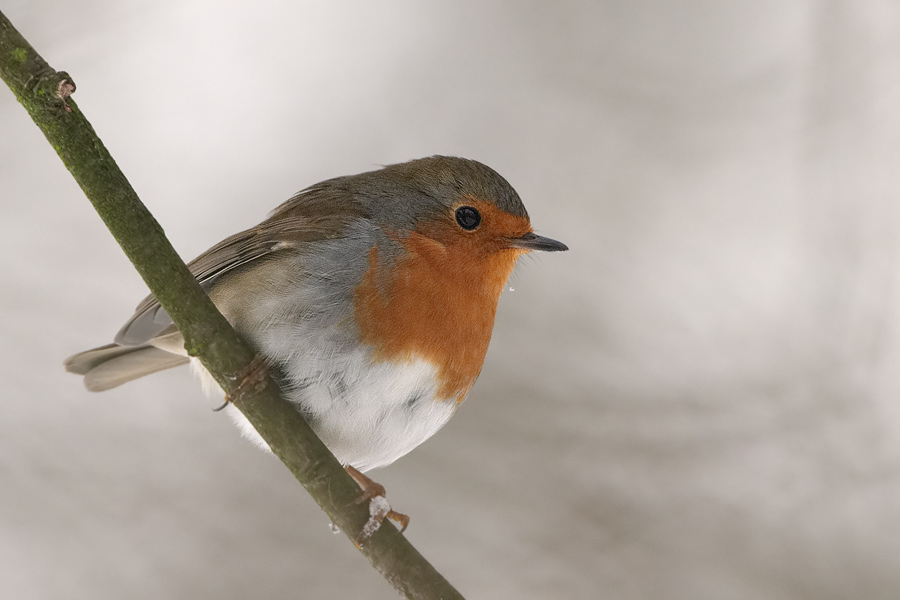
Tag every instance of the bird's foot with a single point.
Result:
(251, 379)
(374, 493)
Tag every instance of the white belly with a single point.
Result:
(368, 415)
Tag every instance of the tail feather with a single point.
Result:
(110, 366)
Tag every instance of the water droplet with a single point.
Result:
(334, 528)
(512, 289)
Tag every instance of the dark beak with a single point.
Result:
(532, 241)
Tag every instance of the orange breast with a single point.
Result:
(441, 298)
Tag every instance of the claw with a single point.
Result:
(400, 518)
(374, 494)
(378, 510)
(371, 491)
(252, 379)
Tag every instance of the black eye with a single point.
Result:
(467, 217)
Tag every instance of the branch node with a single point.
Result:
(48, 79)
(65, 88)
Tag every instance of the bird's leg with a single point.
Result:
(374, 494)
(251, 379)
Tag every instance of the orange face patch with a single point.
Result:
(442, 295)
(490, 236)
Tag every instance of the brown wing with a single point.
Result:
(317, 213)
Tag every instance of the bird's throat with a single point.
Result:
(438, 305)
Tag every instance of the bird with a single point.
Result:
(370, 298)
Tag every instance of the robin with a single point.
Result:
(371, 298)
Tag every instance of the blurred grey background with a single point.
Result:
(699, 401)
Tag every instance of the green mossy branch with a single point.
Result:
(44, 92)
